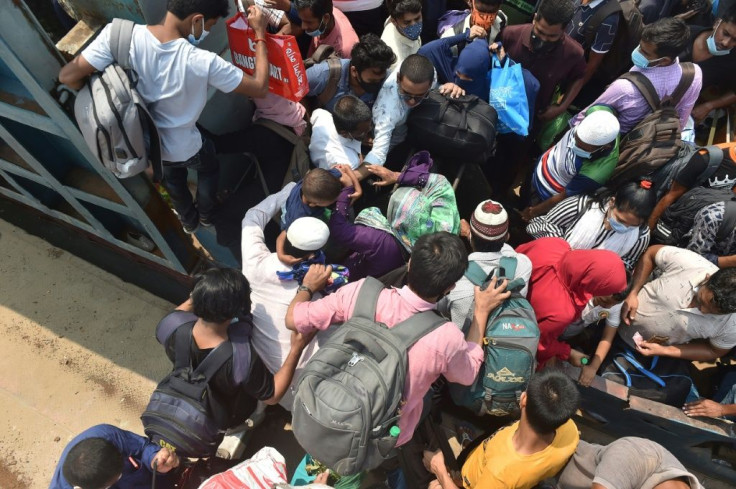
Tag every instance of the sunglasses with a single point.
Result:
(406, 97)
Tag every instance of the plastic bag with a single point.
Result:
(287, 75)
(265, 469)
(508, 96)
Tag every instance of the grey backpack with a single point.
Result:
(112, 116)
(347, 400)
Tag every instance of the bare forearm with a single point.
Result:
(445, 480)
(301, 296)
(283, 377)
(594, 61)
(727, 261)
(696, 352)
(261, 73)
(544, 207)
(604, 346)
(644, 268)
(478, 327)
(572, 92)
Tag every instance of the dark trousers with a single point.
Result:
(175, 181)
(365, 21)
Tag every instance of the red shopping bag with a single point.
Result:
(287, 76)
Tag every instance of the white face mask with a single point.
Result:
(193, 39)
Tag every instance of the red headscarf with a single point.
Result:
(564, 280)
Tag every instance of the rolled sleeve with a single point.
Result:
(320, 314)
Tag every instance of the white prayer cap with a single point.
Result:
(598, 128)
(308, 233)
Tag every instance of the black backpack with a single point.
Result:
(459, 129)
(182, 414)
(677, 221)
(666, 174)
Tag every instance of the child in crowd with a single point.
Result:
(318, 190)
(606, 307)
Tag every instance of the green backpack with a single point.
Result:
(510, 347)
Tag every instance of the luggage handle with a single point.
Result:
(457, 103)
(367, 344)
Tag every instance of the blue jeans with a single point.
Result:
(175, 181)
(726, 393)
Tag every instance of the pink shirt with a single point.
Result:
(342, 37)
(442, 352)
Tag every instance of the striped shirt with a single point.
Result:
(560, 221)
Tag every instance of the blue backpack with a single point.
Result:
(510, 347)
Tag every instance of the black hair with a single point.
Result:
(320, 184)
(397, 8)
(637, 197)
(211, 9)
(417, 69)
(551, 399)
(729, 15)
(438, 260)
(220, 294)
(723, 285)
(490, 3)
(556, 12)
(292, 250)
(621, 296)
(371, 52)
(669, 35)
(92, 463)
(318, 7)
(349, 111)
(486, 246)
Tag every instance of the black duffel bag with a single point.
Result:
(461, 128)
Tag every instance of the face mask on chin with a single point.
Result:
(711, 43)
(320, 30)
(193, 39)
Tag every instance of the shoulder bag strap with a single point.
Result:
(410, 330)
(686, 81)
(365, 305)
(645, 87)
(183, 345)
(476, 275)
(121, 35)
(214, 360)
(333, 80)
(715, 158)
(239, 334)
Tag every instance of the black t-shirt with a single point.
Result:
(718, 71)
(724, 176)
(240, 401)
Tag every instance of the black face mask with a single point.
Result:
(540, 46)
(370, 87)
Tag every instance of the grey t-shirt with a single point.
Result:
(627, 463)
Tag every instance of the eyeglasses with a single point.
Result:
(361, 136)
(406, 97)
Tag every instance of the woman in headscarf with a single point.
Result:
(563, 281)
(607, 221)
(471, 70)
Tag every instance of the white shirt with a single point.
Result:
(389, 119)
(402, 46)
(592, 314)
(270, 297)
(173, 81)
(356, 5)
(327, 148)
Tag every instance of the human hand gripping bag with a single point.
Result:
(287, 75)
(508, 96)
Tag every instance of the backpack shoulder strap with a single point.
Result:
(508, 264)
(729, 220)
(591, 28)
(214, 360)
(686, 81)
(715, 158)
(239, 334)
(121, 34)
(182, 345)
(365, 306)
(333, 80)
(645, 87)
(476, 275)
(409, 331)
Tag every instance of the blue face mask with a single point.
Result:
(711, 42)
(580, 152)
(617, 227)
(638, 58)
(193, 39)
(320, 30)
(412, 31)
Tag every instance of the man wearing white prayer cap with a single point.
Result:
(271, 288)
(580, 162)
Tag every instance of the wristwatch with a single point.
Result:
(304, 288)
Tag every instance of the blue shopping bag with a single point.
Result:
(508, 96)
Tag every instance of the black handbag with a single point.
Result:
(463, 129)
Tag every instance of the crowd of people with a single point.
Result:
(621, 263)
